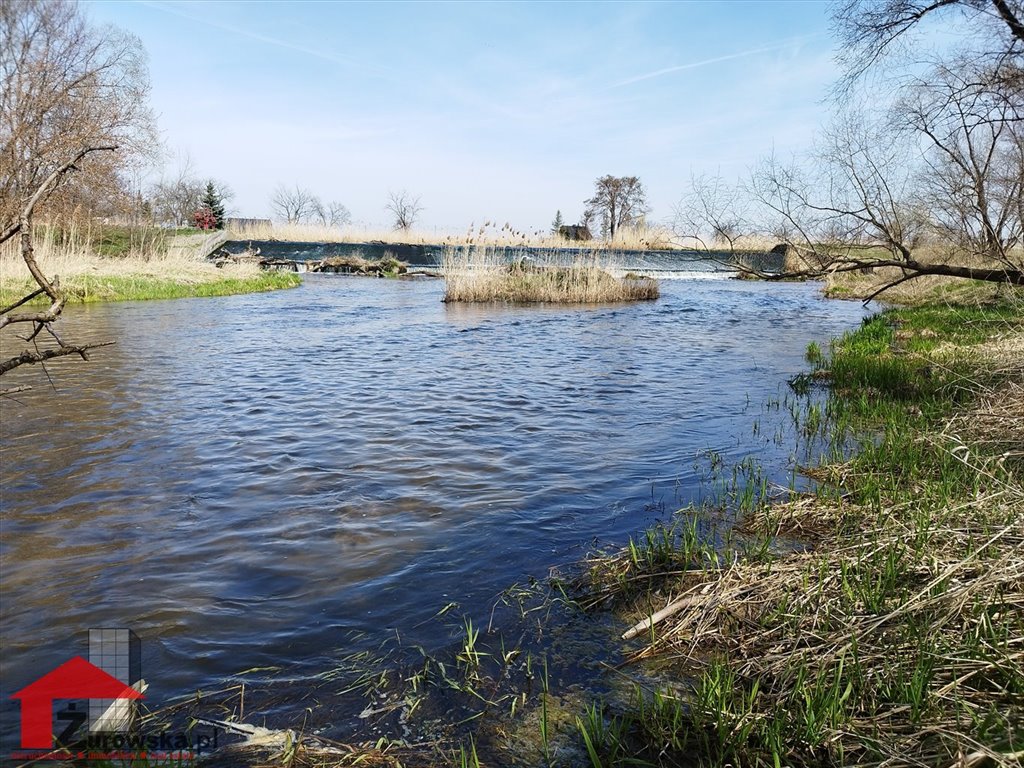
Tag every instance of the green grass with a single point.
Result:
(88, 289)
(896, 638)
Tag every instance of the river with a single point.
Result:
(276, 479)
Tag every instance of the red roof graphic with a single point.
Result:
(74, 679)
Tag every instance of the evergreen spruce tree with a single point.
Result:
(212, 200)
(557, 224)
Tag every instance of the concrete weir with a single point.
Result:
(329, 257)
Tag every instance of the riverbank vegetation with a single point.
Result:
(876, 621)
(127, 264)
(926, 289)
(483, 275)
(110, 240)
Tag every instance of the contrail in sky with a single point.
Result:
(705, 62)
(269, 40)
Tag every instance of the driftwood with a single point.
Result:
(354, 265)
(645, 625)
(222, 257)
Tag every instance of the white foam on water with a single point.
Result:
(676, 274)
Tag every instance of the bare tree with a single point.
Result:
(338, 215)
(972, 181)
(876, 32)
(618, 201)
(68, 86)
(72, 96)
(333, 214)
(932, 184)
(177, 196)
(713, 208)
(870, 205)
(295, 204)
(931, 188)
(405, 209)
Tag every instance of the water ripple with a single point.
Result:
(245, 480)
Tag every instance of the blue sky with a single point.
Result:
(500, 111)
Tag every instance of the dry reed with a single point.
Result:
(487, 234)
(485, 275)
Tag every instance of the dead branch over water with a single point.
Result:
(42, 321)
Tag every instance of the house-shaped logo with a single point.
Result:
(74, 679)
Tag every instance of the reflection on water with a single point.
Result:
(245, 480)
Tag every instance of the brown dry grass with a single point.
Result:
(85, 275)
(482, 275)
(925, 289)
(487, 234)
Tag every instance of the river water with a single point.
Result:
(257, 480)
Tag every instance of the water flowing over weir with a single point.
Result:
(659, 264)
(278, 480)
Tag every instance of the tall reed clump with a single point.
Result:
(893, 632)
(485, 275)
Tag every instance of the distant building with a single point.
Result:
(574, 232)
(238, 223)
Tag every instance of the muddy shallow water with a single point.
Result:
(278, 479)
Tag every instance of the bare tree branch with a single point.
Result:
(1011, 17)
(876, 32)
(29, 357)
(294, 205)
(404, 208)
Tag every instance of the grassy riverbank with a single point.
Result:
(139, 286)
(87, 275)
(927, 289)
(877, 621)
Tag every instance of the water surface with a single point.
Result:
(245, 481)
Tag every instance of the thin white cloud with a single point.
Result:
(715, 60)
(324, 56)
